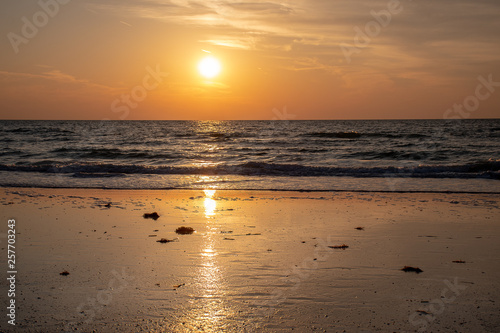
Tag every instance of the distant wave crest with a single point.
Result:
(340, 135)
(482, 169)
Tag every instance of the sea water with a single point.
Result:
(329, 155)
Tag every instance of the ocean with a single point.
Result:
(326, 155)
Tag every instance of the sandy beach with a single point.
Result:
(257, 262)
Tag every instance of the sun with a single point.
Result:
(209, 67)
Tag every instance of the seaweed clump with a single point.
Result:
(184, 230)
(411, 269)
(153, 216)
(165, 240)
(342, 247)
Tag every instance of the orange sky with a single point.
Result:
(316, 59)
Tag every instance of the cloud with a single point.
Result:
(260, 7)
(325, 21)
(125, 23)
(53, 94)
(53, 76)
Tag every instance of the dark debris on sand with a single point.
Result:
(65, 273)
(458, 261)
(343, 247)
(104, 205)
(411, 269)
(165, 240)
(422, 312)
(153, 216)
(184, 230)
(360, 228)
(178, 286)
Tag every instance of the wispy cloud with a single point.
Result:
(125, 23)
(55, 76)
(442, 25)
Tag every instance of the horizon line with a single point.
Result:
(319, 119)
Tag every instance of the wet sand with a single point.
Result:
(257, 261)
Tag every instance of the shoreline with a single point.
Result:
(249, 190)
(258, 261)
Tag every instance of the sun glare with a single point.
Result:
(209, 67)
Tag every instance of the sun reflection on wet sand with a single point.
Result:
(209, 193)
(210, 281)
(209, 203)
(210, 274)
(210, 312)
